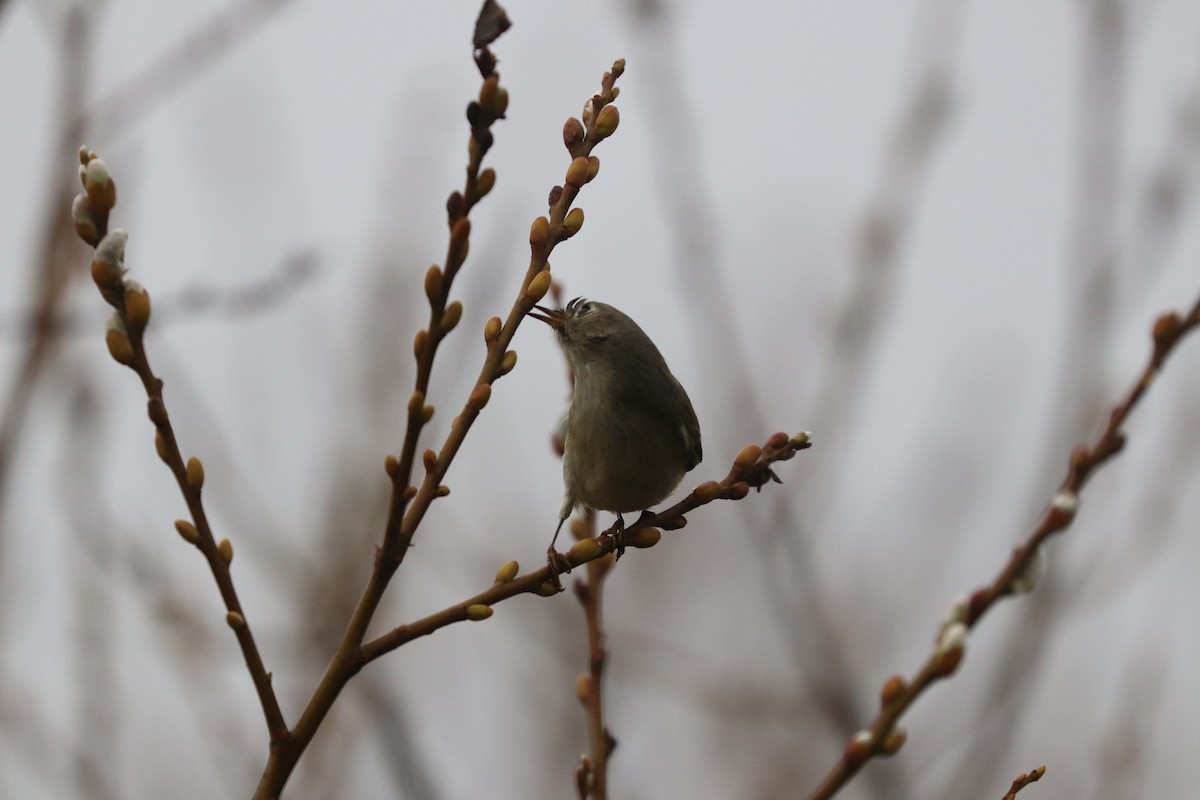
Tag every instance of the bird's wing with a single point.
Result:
(659, 405)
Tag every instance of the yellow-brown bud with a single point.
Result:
(892, 743)
(187, 530)
(225, 551)
(491, 330)
(429, 459)
(426, 413)
(593, 167)
(893, 687)
(455, 205)
(160, 445)
(99, 185)
(607, 121)
(84, 217)
(137, 305)
(119, 346)
(442, 491)
(108, 262)
(478, 611)
(1166, 328)
(485, 182)
(539, 232)
(573, 222)
(235, 620)
(450, 317)
(584, 550)
(748, 457)
(776, 441)
(644, 537)
(507, 572)
(508, 361)
(583, 687)
(577, 172)
(390, 465)
(707, 491)
(548, 589)
(948, 661)
(105, 274)
(538, 286)
(420, 342)
(415, 401)
(195, 474)
(572, 132)
(433, 282)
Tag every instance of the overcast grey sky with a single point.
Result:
(934, 233)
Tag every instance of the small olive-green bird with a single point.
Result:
(631, 431)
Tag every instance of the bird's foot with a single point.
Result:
(558, 564)
(619, 543)
(618, 537)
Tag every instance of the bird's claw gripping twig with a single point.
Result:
(558, 564)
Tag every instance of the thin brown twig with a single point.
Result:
(591, 777)
(545, 234)
(1081, 386)
(1023, 780)
(751, 468)
(882, 736)
(823, 667)
(409, 503)
(126, 343)
(443, 317)
(120, 107)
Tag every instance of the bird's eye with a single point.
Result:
(598, 339)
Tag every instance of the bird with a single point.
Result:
(631, 431)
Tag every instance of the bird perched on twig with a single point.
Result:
(631, 432)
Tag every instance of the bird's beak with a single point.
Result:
(556, 318)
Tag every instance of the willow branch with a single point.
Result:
(545, 233)
(409, 503)
(591, 776)
(1023, 780)
(125, 340)
(1019, 575)
(751, 469)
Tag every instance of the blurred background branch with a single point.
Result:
(916, 230)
